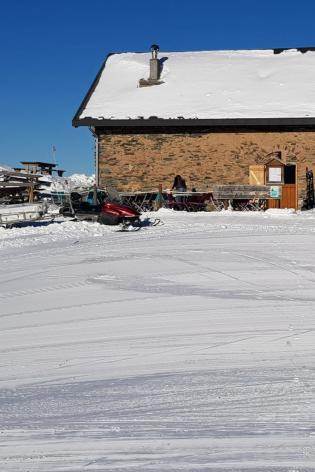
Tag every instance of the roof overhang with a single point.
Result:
(297, 123)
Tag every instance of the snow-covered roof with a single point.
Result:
(206, 85)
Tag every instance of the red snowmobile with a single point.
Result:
(107, 208)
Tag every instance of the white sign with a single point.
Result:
(275, 174)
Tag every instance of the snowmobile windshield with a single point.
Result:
(113, 195)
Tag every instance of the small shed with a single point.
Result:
(44, 168)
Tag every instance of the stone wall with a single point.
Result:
(141, 161)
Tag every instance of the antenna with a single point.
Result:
(53, 151)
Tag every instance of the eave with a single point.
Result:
(154, 122)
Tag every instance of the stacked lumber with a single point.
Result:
(18, 186)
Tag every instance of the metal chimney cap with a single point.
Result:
(155, 49)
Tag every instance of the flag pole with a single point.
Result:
(54, 153)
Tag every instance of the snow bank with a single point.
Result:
(208, 84)
(81, 180)
(74, 181)
(67, 184)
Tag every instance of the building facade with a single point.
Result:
(209, 145)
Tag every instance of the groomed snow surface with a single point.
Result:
(182, 347)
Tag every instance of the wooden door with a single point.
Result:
(273, 203)
(288, 198)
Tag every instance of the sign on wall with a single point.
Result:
(275, 174)
(275, 191)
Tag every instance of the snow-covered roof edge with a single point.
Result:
(154, 121)
(76, 120)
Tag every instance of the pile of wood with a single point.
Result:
(18, 187)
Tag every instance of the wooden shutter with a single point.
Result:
(257, 175)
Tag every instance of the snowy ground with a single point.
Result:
(182, 347)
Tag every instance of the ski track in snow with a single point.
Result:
(187, 346)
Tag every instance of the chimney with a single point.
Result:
(155, 69)
(154, 63)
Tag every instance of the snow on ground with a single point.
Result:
(186, 346)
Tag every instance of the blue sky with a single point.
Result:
(52, 50)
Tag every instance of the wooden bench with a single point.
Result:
(242, 197)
